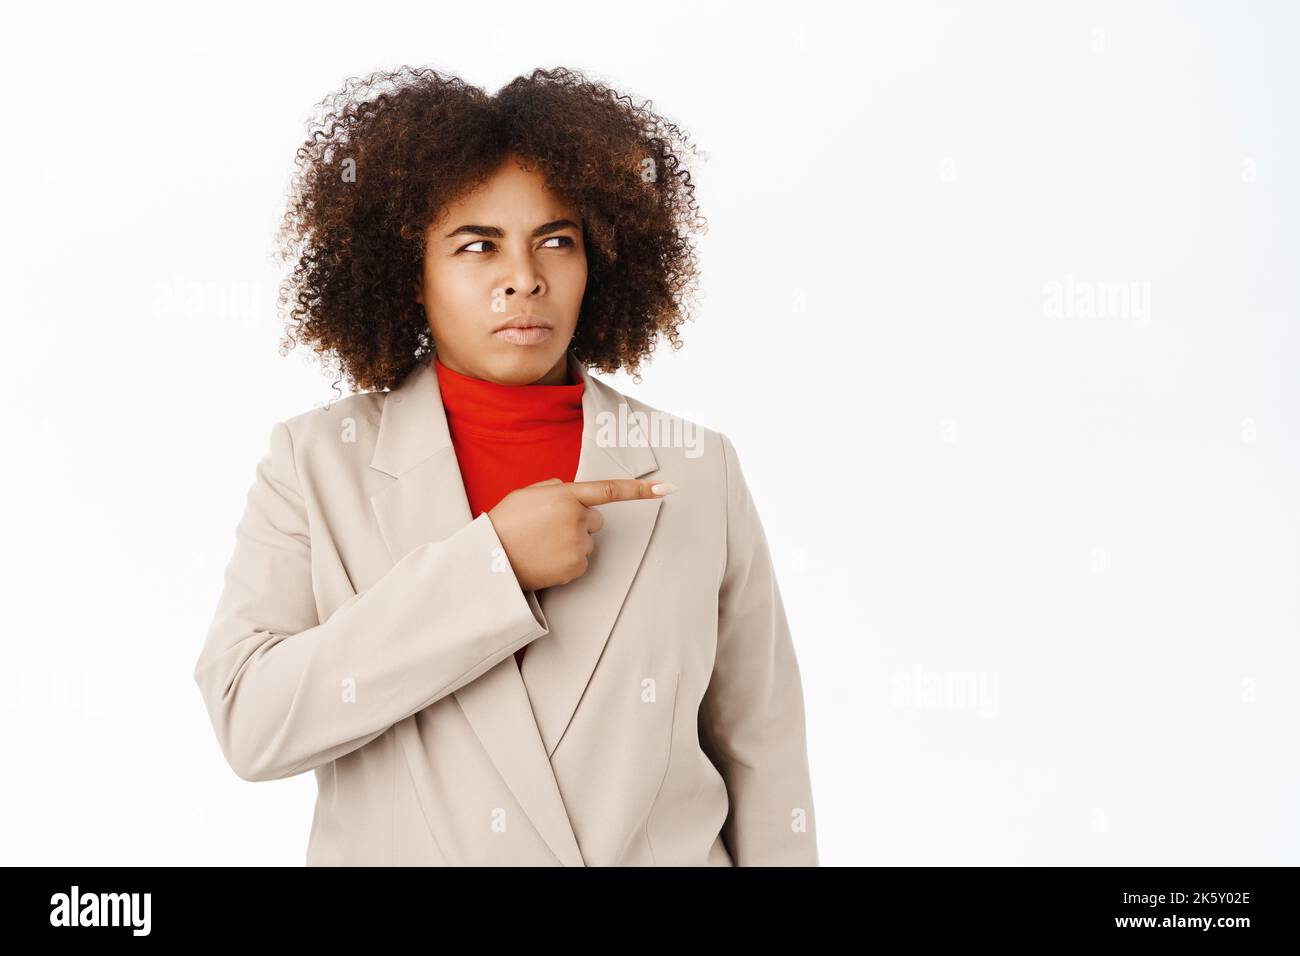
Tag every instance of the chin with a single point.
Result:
(521, 368)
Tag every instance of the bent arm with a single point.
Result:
(751, 719)
(286, 692)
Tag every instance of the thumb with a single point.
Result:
(548, 481)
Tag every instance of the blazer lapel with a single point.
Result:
(581, 614)
(519, 718)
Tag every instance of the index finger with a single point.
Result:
(616, 489)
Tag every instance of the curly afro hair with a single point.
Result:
(387, 153)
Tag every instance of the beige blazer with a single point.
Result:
(367, 630)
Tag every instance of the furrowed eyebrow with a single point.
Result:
(495, 232)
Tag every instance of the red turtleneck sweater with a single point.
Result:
(509, 436)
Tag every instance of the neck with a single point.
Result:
(559, 373)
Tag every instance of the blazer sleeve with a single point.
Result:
(287, 692)
(751, 718)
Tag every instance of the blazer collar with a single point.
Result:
(520, 717)
(413, 425)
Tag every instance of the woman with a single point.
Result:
(502, 618)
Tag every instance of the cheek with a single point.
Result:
(574, 279)
(453, 298)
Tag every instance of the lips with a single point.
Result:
(525, 322)
(523, 335)
(524, 330)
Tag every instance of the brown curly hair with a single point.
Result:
(415, 140)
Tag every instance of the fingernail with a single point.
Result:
(662, 488)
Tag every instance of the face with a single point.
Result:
(509, 249)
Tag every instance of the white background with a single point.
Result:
(1040, 567)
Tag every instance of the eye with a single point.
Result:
(567, 240)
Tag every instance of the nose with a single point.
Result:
(523, 276)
